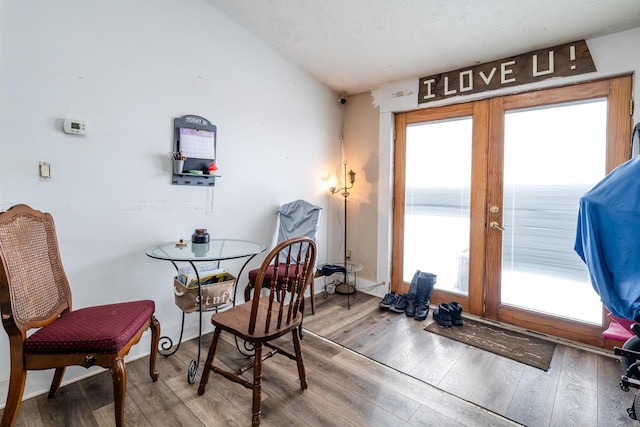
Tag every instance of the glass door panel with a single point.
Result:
(552, 156)
(437, 196)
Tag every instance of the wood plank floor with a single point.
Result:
(365, 367)
(581, 387)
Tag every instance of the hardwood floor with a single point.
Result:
(365, 367)
(581, 388)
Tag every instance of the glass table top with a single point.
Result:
(215, 250)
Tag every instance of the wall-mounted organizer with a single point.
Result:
(194, 138)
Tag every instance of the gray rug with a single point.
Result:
(520, 347)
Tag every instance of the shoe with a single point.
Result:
(456, 313)
(388, 300)
(422, 308)
(400, 305)
(442, 315)
(411, 305)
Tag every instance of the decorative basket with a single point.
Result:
(213, 294)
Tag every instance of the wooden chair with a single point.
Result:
(35, 293)
(297, 218)
(265, 318)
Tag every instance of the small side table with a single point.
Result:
(215, 251)
(347, 287)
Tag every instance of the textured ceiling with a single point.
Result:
(354, 46)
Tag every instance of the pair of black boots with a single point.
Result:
(420, 289)
(448, 314)
(416, 303)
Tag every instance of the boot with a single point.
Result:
(411, 305)
(442, 315)
(456, 313)
(424, 286)
(413, 287)
(421, 308)
(411, 296)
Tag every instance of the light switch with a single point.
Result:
(45, 170)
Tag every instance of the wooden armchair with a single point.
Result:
(35, 293)
(265, 318)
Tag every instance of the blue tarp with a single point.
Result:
(608, 238)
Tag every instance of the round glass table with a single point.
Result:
(215, 250)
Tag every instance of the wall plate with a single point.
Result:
(45, 170)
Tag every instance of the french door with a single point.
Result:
(486, 197)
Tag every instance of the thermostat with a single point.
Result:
(74, 126)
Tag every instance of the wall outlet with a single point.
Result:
(348, 254)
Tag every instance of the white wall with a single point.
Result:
(613, 55)
(128, 68)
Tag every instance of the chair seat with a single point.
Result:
(236, 320)
(268, 274)
(617, 332)
(102, 329)
(619, 329)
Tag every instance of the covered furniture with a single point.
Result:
(285, 274)
(608, 238)
(35, 293)
(297, 218)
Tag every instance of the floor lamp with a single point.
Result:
(345, 288)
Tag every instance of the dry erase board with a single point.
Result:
(194, 137)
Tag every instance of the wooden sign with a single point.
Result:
(559, 61)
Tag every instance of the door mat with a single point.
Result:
(517, 346)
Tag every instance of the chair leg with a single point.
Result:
(17, 380)
(119, 377)
(313, 297)
(209, 363)
(155, 340)
(57, 380)
(299, 360)
(257, 384)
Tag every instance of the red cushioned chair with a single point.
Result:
(265, 318)
(35, 293)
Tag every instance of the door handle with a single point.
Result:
(494, 224)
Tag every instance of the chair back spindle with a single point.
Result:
(286, 272)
